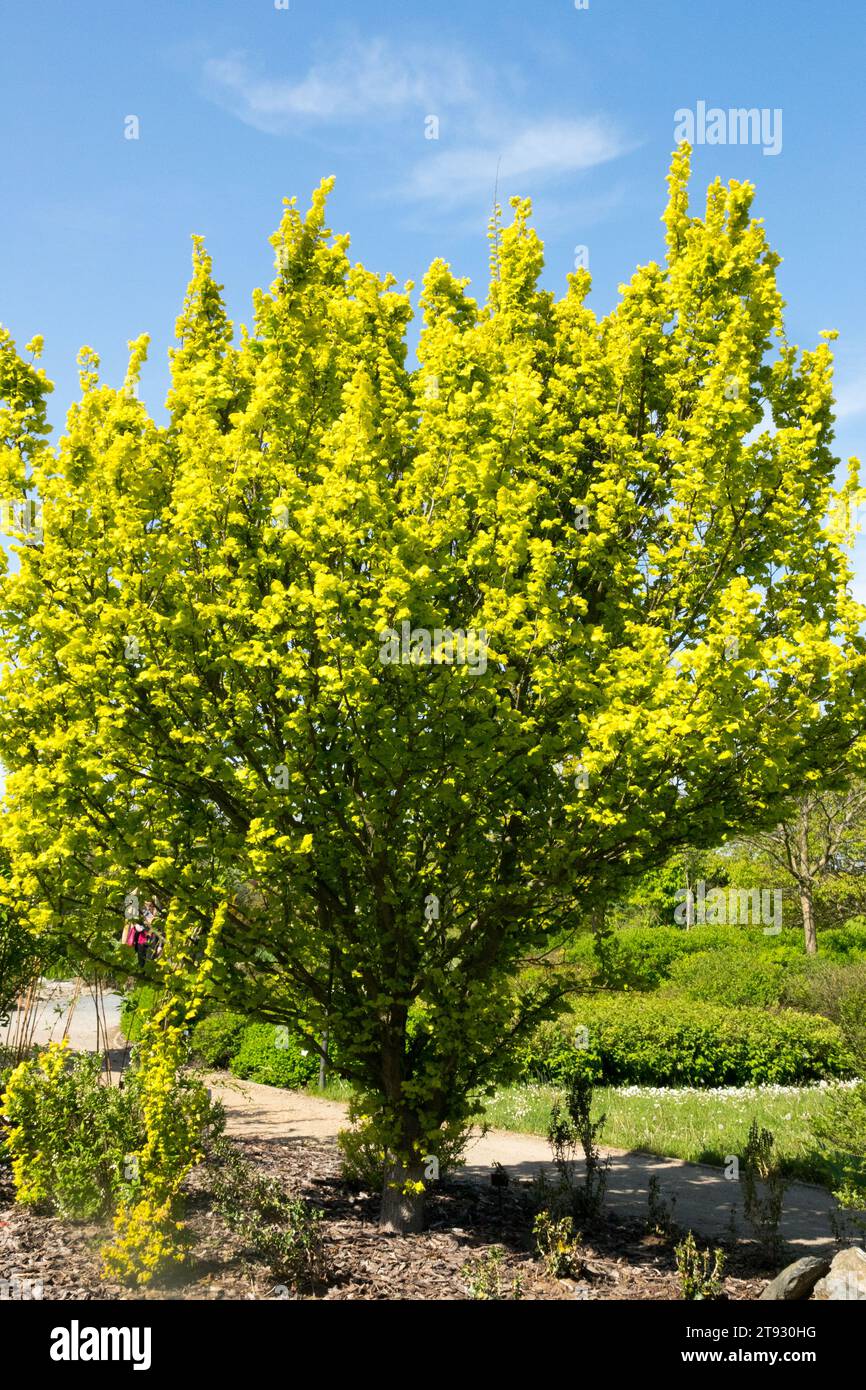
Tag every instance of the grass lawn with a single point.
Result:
(703, 1126)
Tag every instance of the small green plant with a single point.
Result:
(763, 1184)
(558, 1246)
(485, 1280)
(661, 1211)
(701, 1271)
(571, 1126)
(285, 1233)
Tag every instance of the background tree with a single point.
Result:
(823, 836)
(192, 691)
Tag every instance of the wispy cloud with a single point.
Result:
(539, 150)
(366, 79)
(851, 398)
(378, 82)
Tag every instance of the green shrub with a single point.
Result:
(734, 976)
(642, 958)
(286, 1233)
(217, 1037)
(70, 1136)
(840, 1129)
(485, 1277)
(275, 1056)
(836, 989)
(558, 1246)
(844, 943)
(666, 1040)
(73, 1139)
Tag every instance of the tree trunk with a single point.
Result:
(808, 912)
(402, 1212)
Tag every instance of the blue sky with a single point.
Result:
(241, 103)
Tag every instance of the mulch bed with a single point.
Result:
(623, 1260)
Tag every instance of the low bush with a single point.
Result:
(841, 1132)
(558, 1246)
(217, 1037)
(642, 958)
(70, 1136)
(275, 1056)
(73, 1140)
(285, 1233)
(844, 943)
(485, 1277)
(734, 976)
(666, 1040)
(838, 991)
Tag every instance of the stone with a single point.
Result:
(797, 1280)
(847, 1277)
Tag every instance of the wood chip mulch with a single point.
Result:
(623, 1261)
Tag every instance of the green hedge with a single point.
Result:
(642, 958)
(217, 1037)
(735, 976)
(274, 1056)
(671, 1041)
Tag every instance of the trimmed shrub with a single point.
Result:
(217, 1037)
(735, 976)
(671, 1041)
(275, 1056)
(642, 958)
